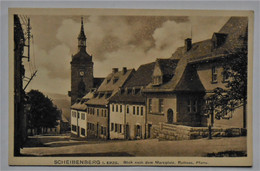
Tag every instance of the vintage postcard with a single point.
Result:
(124, 87)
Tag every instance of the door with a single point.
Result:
(149, 130)
(97, 130)
(127, 131)
(170, 116)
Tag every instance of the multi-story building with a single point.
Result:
(199, 71)
(127, 107)
(98, 107)
(79, 116)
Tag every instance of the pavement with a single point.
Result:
(64, 146)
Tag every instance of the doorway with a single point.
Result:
(170, 116)
(149, 130)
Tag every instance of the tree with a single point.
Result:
(42, 113)
(223, 101)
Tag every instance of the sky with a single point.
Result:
(113, 41)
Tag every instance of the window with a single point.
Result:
(137, 108)
(142, 111)
(120, 108)
(74, 114)
(97, 112)
(161, 105)
(192, 105)
(82, 131)
(127, 109)
(116, 108)
(74, 128)
(214, 75)
(134, 110)
(93, 111)
(112, 126)
(150, 105)
(116, 127)
(82, 116)
(157, 80)
(113, 108)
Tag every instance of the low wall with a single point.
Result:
(180, 132)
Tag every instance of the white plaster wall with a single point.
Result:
(133, 120)
(117, 118)
(73, 120)
(82, 123)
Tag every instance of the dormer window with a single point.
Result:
(101, 95)
(108, 95)
(95, 95)
(137, 90)
(133, 91)
(115, 80)
(218, 39)
(157, 80)
(129, 91)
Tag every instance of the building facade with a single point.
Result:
(82, 80)
(98, 106)
(128, 107)
(20, 120)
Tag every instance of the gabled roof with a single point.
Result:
(168, 68)
(128, 98)
(115, 80)
(142, 77)
(234, 32)
(79, 106)
(110, 86)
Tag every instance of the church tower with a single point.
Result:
(81, 69)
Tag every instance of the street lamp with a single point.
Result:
(210, 112)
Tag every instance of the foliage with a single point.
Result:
(223, 101)
(42, 112)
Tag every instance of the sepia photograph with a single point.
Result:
(109, 87)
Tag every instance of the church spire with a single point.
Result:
(82, 38)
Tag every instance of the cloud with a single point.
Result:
(115, 41)
(68, 32)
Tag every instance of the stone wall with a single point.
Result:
(179, 132)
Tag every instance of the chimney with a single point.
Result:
(188, 44)
(114, 70)
(124, 70)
